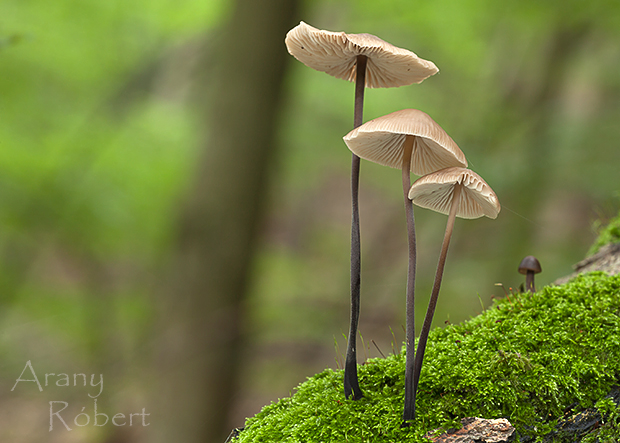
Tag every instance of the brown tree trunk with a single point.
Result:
(203, 316)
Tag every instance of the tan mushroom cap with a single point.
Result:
(336, 53)
(434, 191)
(382, 141)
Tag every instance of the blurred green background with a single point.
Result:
(104, 111)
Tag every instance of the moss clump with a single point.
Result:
(606, 235)
(525, 359)
(610, 423)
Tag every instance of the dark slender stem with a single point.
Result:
(409, 409)
(428, 319)
(360, 85)
(529, 281)
(351, 383)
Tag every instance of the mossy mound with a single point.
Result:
(527, 358)
(610, 233)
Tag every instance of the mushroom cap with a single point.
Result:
(529, 263)
(336, 54)
(382, 141)
(434, 191)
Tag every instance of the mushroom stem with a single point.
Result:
(529, 281)
(351, 383)
(409, 409)
(360, 84)
(428, 319)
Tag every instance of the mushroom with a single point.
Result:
(411, 141)
(336, 54)
(458, 192)
(385, 139)
(529, 266)
(370, 62)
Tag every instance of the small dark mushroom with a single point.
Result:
(529, 266)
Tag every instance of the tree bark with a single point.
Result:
(200, 354)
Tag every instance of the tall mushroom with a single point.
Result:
(411, 141)
(457, 192)
(370, 62)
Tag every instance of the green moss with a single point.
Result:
(525, 359)
(610, 233)
(610, 429)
